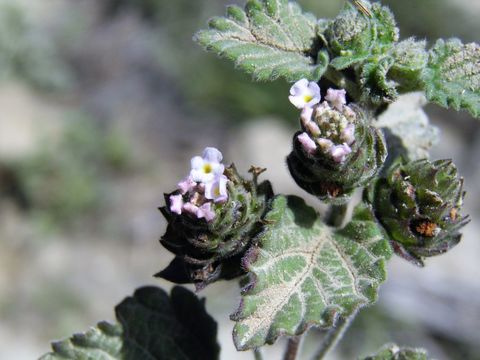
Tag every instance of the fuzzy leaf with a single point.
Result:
(452, 76)
(393, 352)
(151, 325)
(304, 273)
(355, 37)
(270, 39)
(407, 128)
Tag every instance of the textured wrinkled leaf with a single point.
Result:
(393, 352)
(376, 86)
(304, 273)
(151, 325)
(270, 39)
(355, 37)
(452, 76)
(407, 128)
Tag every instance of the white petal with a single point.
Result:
(299, 87)
(298, 101)
(212, 155)
(196, 162)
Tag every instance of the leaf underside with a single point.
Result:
(393, 352)
(407, 128)
(151, 325)
(306, 274)
(452, 76)
(270, 39)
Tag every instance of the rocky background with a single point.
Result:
(102, 105)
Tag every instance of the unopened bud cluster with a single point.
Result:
(213, 216)
(336, 151)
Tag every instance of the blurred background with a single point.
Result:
(102, 105)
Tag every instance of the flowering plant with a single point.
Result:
(300, 269)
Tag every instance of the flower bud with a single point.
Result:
(419, 205)
(211, 224)
(336, 151)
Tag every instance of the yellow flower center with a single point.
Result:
(307, 98)
(216, 191)
(207, 168)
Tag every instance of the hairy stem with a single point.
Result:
(339, 79)
(336, 215)
(292, 348)
(333, 336)
(257, 353)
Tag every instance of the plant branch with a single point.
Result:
(257, 353)
(292, 348)
(333, 336)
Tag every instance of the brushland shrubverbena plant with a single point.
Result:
(299, 269)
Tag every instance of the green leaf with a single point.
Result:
(270, 39)
(376, 87)
(304, 273)
(355, 37)
(452, 76)
(151, 325)
(393, 352)
(407, 128)
(410, 60)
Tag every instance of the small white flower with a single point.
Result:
(308, 144)
(216, 190)
(340, 152)
(206, 167)
(186, 185)
(336, 98)
(348, 134)
(176, 204)
(304, 94)
(205, 211)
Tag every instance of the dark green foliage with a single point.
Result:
(150, 325)
(206, 252)
(419, 204)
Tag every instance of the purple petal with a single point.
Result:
(306, 115)
(308, 144)
(205, 211)
(348, 134)
(176, 203)
(212, 155)
(190, 208)
(336, 98)
(186, 185)
(299, 87)
(340, 152)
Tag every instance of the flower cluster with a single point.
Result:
(337, 150)
(204, 186)
(329, 126)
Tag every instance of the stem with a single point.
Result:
(292, 348)
(334, 335)
(257, 353)
(343, 82)
(336, 215)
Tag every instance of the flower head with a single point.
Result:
(216, 190)
(206, 167)
(304, 94)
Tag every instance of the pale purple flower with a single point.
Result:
(186, 185)
(304, 94)
(176, 203)
(205, 211)
(325, 144)
(308, 144)
(216, 190)
(190, 208)
(206, 167)
(306, 115)
(336, 98)
(340, 152)
(348, 134)
(313, 128)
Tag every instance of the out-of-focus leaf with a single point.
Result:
(393, 352)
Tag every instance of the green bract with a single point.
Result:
(317, 173)
(208, 251)
(419, 204)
